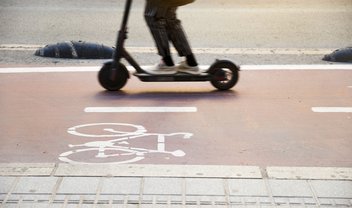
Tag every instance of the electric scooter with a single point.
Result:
(222, 74)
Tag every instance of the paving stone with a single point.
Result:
(162, 192)
(343, 202)
(296, 201)
(163, 186)
(335, 202)
(336, 189)
(281, 201)
(121, 186)
(295, 188)
(247, 187)
(30, 197)
(326, 202)
(309, 201)
(26, 169)
(163, 199)
(2, 197)
(5, 184)
(35, 185)
(315, 173)
(206, 199)
(133, 170)
(70, 206)
(29, 205)
(198, 186)
(79, 185)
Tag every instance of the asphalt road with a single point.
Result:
(303, 24)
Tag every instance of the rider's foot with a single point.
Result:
(161, 68)
(185, 68)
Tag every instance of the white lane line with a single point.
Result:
(140, 109)
(203, 67)
(332, 109)
(49, 69)
(298, 67)
(253, 51)
(63, 69)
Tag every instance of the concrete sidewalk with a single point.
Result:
(64, 185)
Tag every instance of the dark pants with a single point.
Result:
(165, 27)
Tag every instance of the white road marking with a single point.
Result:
(122, 153)
(203, 67)
(140, 109)
(19, 47)
(332, 109)
(299, 67)
(49, 69)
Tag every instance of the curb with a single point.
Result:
(179, 171)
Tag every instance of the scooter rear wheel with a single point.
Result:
(224, 74)
(113, 80)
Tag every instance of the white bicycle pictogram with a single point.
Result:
(117, 149)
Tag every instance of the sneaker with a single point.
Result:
(185, 68)
(161, 68)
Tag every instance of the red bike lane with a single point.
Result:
(267, 119)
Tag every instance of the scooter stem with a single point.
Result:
(122, 34)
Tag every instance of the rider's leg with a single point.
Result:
(155, 18)
(178, 37)
(165, 27)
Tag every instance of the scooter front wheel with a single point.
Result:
(224, 74)
(113, 79)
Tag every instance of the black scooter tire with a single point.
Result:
(110, 80)
(225, 74)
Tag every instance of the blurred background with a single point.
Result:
(252, 31)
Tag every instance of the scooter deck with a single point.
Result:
(179, 77)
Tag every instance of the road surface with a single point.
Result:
(275, 31)
(270, 118)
